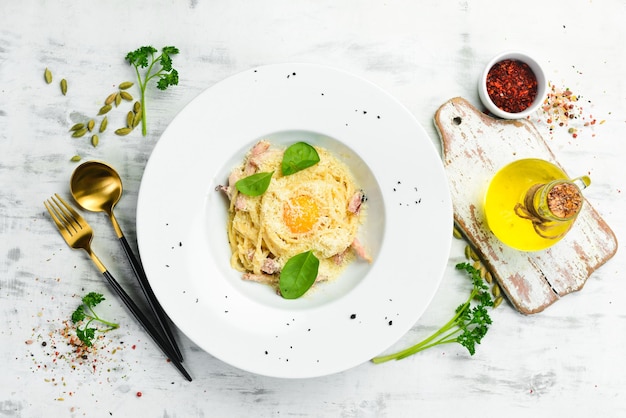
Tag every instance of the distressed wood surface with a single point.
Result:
(567, 360)
(475, 146)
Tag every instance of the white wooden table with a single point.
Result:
(568, 359)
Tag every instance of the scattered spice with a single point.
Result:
(563, 108)
(512, 85)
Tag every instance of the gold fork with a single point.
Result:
(78, 235)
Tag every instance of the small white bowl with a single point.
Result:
(542, 85)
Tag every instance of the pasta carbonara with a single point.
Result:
(318, 208)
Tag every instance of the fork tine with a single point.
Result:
(53, 214)
(77, 217)
(62, 217)
(71, 216)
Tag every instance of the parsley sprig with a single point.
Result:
(158, 66)
(467, 327)
(85, 313)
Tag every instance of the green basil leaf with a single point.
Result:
(298, 157)
(254, 185)
(298, 275)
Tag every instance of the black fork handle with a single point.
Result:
(155, 306)
(145, 322)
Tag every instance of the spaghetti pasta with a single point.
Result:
(318, 208)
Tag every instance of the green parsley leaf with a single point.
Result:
(87, 334)
(140, 56)
(91, 299)
(79, 314)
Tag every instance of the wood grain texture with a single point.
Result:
(475, 147)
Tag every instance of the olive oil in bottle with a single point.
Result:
(527, 209)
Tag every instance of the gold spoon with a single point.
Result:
(97, 187)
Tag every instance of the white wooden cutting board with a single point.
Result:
(475, 146)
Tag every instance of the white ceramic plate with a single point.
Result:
(181, 221)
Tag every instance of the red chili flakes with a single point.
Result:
(139, 394)
(512, 85)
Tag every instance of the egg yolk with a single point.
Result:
(300, 214)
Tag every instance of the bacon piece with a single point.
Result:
(260, 278)
(339, 258)
(226, 190)
(356, 201)
(241, 202)
(253, 161)
(255, 157)
(360, 250)
(232, 179)
(270, 266)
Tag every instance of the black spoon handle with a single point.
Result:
(152, 300)
(145, 322)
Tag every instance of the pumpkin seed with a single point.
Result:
(477, 265)
(79, 133)
(77, 127)
(125, 85)
(47, 75)
(103, 124)
(497, 302)
(104, 109)
(110, 98)
(488, 277)
(123, 131)
(118, 99)
(95, 140)
(90, 125)
(136, 119)
(75, 158)
(64, 87)
(130, 116)
(456, 233)
(126, 96)
(137, 107)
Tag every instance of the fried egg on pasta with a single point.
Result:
(319, 208)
